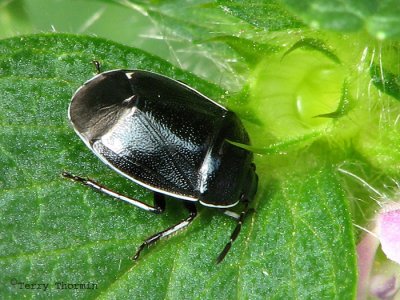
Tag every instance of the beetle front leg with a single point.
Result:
(232, 214)
(154, 238)
(159, 203)
(235, 232)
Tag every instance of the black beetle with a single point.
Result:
(167, 137)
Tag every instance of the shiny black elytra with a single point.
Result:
(169, 138)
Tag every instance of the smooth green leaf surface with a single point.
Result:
(297, 244)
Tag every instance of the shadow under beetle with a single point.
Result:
(169, 138)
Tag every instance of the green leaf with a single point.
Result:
(187, 26)
(251, 51)
(297, 244)
(314, 44)
(385, 81)
(268, 14)
(303, 223)
(380, 18)
(289, 91)
(13, 17)
(345, 105)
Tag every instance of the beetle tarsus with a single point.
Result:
(73, 177)
(67, 175)
(224, 252)
(137, 254)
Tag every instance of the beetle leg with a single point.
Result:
(154, 238)
(159, 202)
(232, 214)
(235, 233)
(235, 215)
(158, 208)
(97, 65)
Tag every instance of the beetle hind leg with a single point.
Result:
(182, 224)
(235, 232)
(159, 202)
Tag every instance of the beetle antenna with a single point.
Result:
(235, 233)
(97, 65)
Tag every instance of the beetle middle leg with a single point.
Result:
(235, 232)
(159, 202)
(191, 207)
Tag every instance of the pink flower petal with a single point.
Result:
(389, 231)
